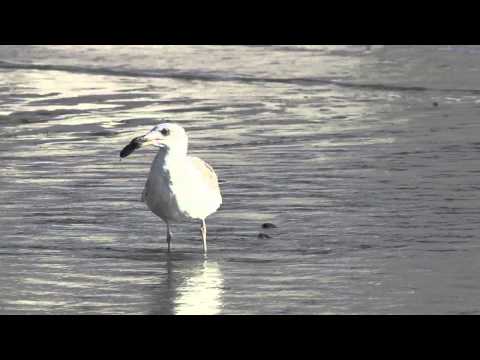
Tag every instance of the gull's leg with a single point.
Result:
(203, 228)
(169, 236)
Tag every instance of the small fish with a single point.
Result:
(264, 236)
(269, 226)
(132, 146)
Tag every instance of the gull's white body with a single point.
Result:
(181, 188)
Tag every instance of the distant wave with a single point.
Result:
(216, 77)
(346, 50)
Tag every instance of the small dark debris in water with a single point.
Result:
(435, 104)
(264, 236)
(269, 226)
(365, 246)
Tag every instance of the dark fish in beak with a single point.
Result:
(134, 145)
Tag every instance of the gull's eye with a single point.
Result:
(165, 132)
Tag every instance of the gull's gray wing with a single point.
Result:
(207, 172)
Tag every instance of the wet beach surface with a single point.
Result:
(366, 159)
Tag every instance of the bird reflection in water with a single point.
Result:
(201, 293)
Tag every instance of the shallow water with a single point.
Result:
(365, 157)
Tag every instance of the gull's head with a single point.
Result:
(171, 137)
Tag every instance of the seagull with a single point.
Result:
(179, 187)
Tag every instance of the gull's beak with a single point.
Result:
(150, 138)
(135, 144)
